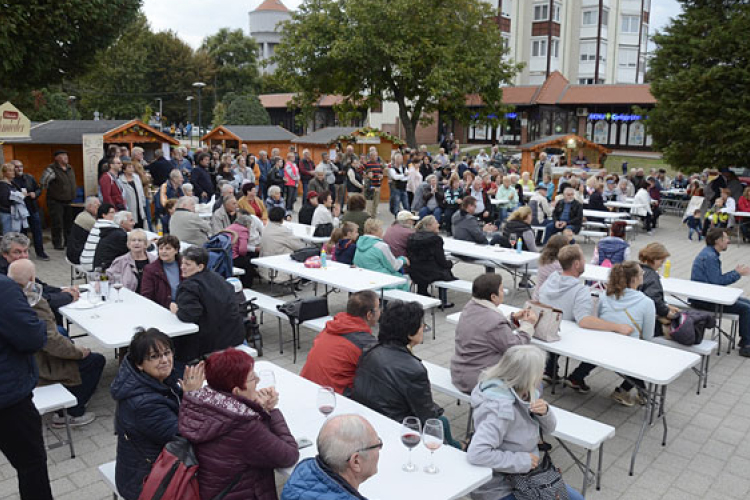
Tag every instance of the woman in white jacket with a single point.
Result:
(642, 207)
(326, 212)
(132, 192)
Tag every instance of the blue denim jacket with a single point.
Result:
(707, 269)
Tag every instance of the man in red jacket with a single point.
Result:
(109, 184)
(333, 359)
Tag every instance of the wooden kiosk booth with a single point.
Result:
(256, 137)
(569, 144)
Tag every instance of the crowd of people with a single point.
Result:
(199, 387)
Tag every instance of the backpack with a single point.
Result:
(689, 326)
(219, 249)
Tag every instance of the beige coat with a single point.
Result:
(278, 240)
(189, 227)
(57, 359)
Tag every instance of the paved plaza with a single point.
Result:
(707, 453)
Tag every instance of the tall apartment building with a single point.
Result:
(264, 27)
(588, 41)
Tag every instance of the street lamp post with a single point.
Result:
(160, 112)
(189, 100)
(199, 86)
(72, 100)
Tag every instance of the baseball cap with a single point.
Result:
(405, 215)
(312, 194)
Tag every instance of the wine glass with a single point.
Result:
(94, 297)
(326, 401)
(410, 436)
(432, 438)
(266, 379)
(513, 238)
(117, 285)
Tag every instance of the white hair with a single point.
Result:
(187, 188)
(520, 368)
(185, 202)
(273, 190)
(121, 217)
(90, 201)
(340, 438)
(137, 233)
(175, 174)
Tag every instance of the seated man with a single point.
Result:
(398, 233)
(187, 225)
(429, 198)
(466, 225)
(348, 454)
(61, 361)
(563, 290)
(113, 241)
(539, 204)
(484, 333)
(568, 213)
(707, 269)
(225, 215)
(82, 226)
(104, 219)
(333, 359)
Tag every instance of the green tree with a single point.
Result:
(425, 55)
(246, 110)
(219, 115)
(43, 42)
(700, 76)
(275, 83)
(236, 59)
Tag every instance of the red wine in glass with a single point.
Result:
(411, 435)
(325, 410)
(411, 440)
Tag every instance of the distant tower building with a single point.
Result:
(263, 27)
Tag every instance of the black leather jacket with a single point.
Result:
(393, 382)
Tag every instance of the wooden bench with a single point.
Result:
(575, 429)
(704, 350)
(108, 474)
(51, 398)
(427, 303)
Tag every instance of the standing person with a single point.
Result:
(264, 167)
(397, 178)
(339, 185)
(33, 191)
(13, 213)
(291, 178)
(109, 184)
(707, 269)
(306, 169)
(59, 180)
(22, 333)
(171, 189)
(413, 181)
(454, 194)
(355, 183)
(374, 175)
(134, 194)
(330, 170)
(203, 186)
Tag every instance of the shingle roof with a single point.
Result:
(261, 133)
(273, 5)
(518, 96)
(551, 89)
(325, 135)
(275, 100)
(607, 94)
(69, 131)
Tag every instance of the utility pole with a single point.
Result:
(72, 100)
(199, 86)
(189, 100)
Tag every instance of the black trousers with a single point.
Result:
(61, 217)
(22, 443)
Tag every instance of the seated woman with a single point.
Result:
(612, 248)
(129, 267)
(548, 262)
(519, 224)
(484, 333)
(375, 254)
(246, 231)
(275, 200)
(625, 305)
(326, 216)
(308, 207)
(238, 434)
(163, 276)
(344, 242)
(206, 299)
(148, 393)
(355, 211)
(390, 379)
(652, 257)
(427, 262)
(508, 414)
(169, 208)
(251, 203)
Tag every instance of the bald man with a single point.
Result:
(60, 361)
(349, 450)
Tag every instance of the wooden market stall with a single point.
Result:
(256, 137)
(361, 138)
(570, 144)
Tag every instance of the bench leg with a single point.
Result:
(432, 311)
(599, 468)
(586, 473)
(647, 410)
(469, 422)
(281, 339)
(705, 377)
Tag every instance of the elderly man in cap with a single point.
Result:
(398, 232)
(59, 180)
(539, 204)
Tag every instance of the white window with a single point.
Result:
(539, 48)
(628, 57)
(588, 51)
(630, 24)
(541, 12)
(555, 48)
(507, 8)
(590, 17)
(603, 52)
(605, 17)
(556, 12)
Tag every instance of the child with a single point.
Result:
(715, 217)
(344, 242)
(695, 225)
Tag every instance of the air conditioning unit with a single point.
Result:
(582, 112)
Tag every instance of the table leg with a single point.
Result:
(433, 322)
(599, 468)
(662, 413)
(705, 377)
(67, 431)
(586, 473)
(650, 401)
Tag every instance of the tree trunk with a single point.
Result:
(410, 126)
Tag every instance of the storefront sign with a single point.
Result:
(615, 117)
(13, 123)
(361, 139)
(93, 149)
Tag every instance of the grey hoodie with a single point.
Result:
(567, 294)
(506, 434)
(633, 308)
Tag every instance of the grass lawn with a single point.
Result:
(614, 163)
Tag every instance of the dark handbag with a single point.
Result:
(300, 310)
(323, 229)
(303, 254)
(544, 482)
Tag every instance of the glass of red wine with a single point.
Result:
(432, 438)
(411, 430)
(326, 401)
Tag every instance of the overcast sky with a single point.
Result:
(193, 20)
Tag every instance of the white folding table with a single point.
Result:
(599, 214)
(631, 358)
(297, 402)
(739, 228)
(622, 204)
(305, 233)
(113, 324)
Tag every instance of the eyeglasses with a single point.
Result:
(158, 355)
(369, 448)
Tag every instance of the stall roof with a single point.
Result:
(325, 135)
(271, 101)
(71, 131)
(560, 140)
(252, 133)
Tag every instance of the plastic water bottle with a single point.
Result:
(519, 245)
(323, 258)
(667, 268)
(104, 286)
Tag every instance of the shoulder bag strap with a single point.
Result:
(635, 324)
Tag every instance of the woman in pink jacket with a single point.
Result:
(246, 232)
(291, 178)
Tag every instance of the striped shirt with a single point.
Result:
(376, 168)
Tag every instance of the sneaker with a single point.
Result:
(548, 378)
(622, 397)
(577, 385)
(58, 421)
(525, 284)
(448, 305)
(42, 256)
(640, 398)
(745, 352)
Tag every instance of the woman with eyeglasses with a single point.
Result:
(238, 434)
(129, 267)
(148, 392)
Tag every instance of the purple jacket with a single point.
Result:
(231, 434)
